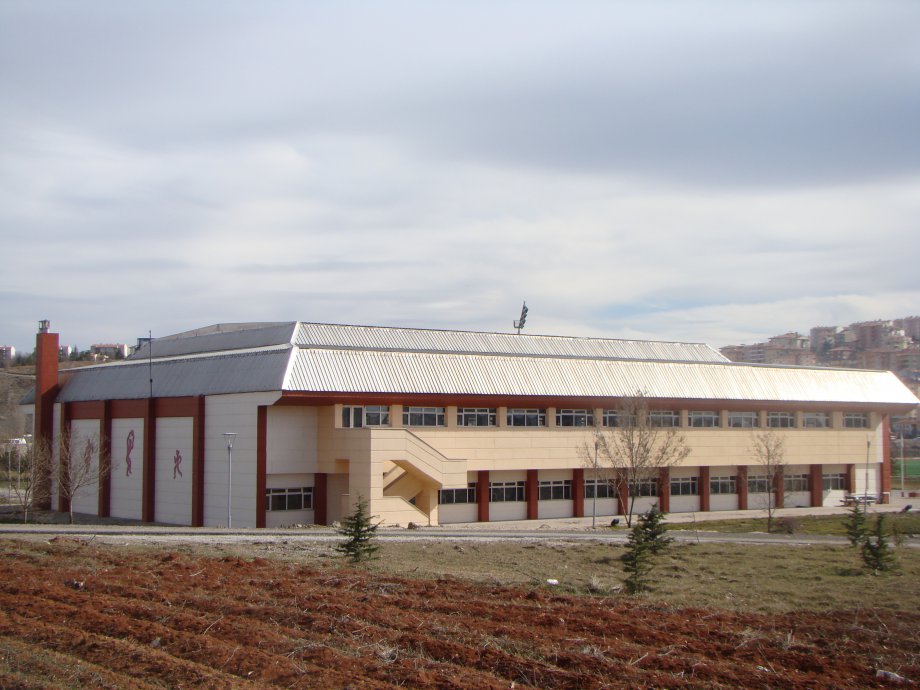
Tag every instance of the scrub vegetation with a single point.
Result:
(435, 613)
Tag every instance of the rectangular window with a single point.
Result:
(352, 417)
(448, 497)
(522, 417)
(643, 487)
(703, 419)
(723, 485)
(556, 490)
(574, 418)
(856, 420)
(835, 482)
(505, 492)
(423, 416)
(781, 420)
(796, 482)
(743, 420)
(759, 485)
(606, 488)
(377, 415)
(357, 416)
(685, 486)
(300, 498)
(617, 418)
(476, 416)
(816, 420)
(664, 418)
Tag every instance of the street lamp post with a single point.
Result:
(866, 487)
(230, 436)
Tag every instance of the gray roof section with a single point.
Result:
(244, 372)
(221, 337)
(329, 336)
(451, 374)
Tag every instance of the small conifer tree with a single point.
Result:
(647, 538)
(855, 525)
(359, 531)
(876, 552)
(653, 531)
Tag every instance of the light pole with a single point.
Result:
(230, 436)
(866, 487)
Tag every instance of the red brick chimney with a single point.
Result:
(46, 389)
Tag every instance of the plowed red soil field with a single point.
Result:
(77, 615)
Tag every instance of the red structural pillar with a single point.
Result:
(482, 496)
(742, 486)
(320, 498)
(198, 463)
(664, 490)
(886, 460)
(778, 487)
(532, 493)
(46, 388)
(622, 494)
(261, 462)
(704, 488)
(105, 460)
(817, 485)
(851, 479)
(148, 502)
(578, 492)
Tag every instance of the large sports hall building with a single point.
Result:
(271, 424)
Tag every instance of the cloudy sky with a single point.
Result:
(715, 171)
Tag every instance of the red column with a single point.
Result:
(778, 487)
(320, 498)
(482, 496)
(817, 485)
(704, 488)
(198, 463)
(105, 460)
(578, 492)
(261, 462)
(533, 494)
(886, 460)
(148, 505)
(46, 388)
(851, 478)
(741, 485)
(664, 490)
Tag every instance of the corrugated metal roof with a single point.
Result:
(319, 335)
(219, 338)
(451, 374)
(250, 372)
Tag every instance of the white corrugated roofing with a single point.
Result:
(469, 342)
(349, 371)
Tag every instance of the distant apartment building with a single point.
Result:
(66, 351)
(7, 353)
(109, 350)
(788, 348)
(911, 327)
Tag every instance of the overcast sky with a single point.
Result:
(703, 171)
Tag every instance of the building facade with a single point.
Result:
(291, 423)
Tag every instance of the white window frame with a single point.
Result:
(476, 416)
(507, 492)
(643, 487)
(555, 490)
(531, 417)
(606, 488)
(855, 420)
(703, 419)
(796, 483)
(286, 496)
(612, 418)
(664, 419)
(719, 486)
(423, 416)
(756, 482)
(457, 496)
(781, 420)
(380, 413)
(685, 486)
(743, 420)
(835, 481)
(352, 417)
(575, 417)
(816, 420)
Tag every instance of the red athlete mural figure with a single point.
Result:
(177, 460)
(128, 454)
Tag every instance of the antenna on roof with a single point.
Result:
(519, 324)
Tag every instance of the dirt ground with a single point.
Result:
(78, 614)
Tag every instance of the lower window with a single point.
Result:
(723, 485)
(684, 486)
(558, 490)
(796, 482)
(448, 497)
(759, 485)
(300, 498)
(643, 487)
(502, 492)
(834, 482)
(606, 488)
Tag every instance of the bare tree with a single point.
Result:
(31, 486)
(636, 449)
(770, 451)
(84, 463)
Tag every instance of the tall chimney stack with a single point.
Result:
(46, 388)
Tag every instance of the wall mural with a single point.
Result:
(177, 461)
(128, 454)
